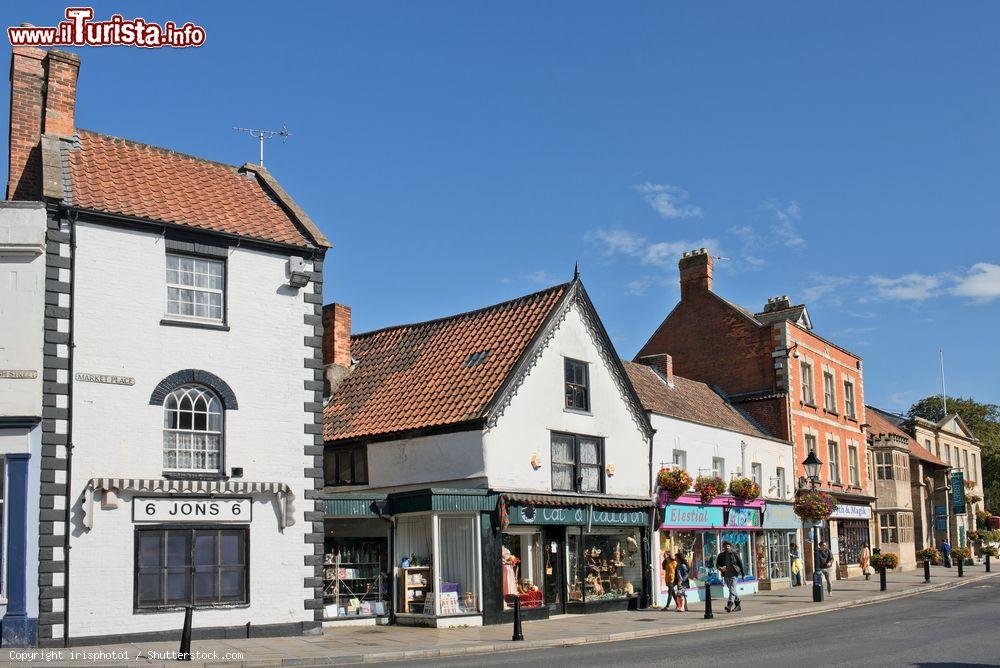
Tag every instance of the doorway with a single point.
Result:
(554, 540)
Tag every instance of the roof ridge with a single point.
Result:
(456, 316)
(159, 149)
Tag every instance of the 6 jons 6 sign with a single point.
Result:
(191, 509)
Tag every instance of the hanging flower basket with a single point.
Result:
(975, 536)
(709, 487)
(982, 516)
(970, 484)
(973, 499)
(744, 488)
(886, 560)
(962, 553)
(929, 554)
(673, 481)
(988, 551)
(815, 506)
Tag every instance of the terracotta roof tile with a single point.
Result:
(688, 400)
(417, 376)
(122, 177)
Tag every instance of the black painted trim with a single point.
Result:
(19, 421)
(185, 376)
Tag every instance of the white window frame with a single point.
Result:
(194, 392)
(757, 473)
(829, 392)
(194, 289)
(719, 467)
(780, 476)
(849, 408)
(833, 454)
(852, 465)
(679, 459)
(808, 394)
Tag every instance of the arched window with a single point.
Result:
(192, 430)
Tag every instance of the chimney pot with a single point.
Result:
(695, 273)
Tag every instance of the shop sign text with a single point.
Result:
(576, 516)
(104, 378)
(191, 509)
(18, 374)
(692, 516)
(851, 512)
(743, 517)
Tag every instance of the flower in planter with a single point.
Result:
(744, 488)
(962, 553)
(815, 506)
(989, 551)
(674, 481)
(709, 487)
(929, 554)
(886, 560)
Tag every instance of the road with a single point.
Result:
(955, 627)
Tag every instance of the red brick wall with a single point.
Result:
(771, 414)
(711, 341)
(337, 334)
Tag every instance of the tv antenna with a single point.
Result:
(261, 135)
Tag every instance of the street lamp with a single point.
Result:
(812, 465)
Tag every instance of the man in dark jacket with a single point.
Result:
(730, 565)
(824, 561)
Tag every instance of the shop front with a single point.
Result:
(699, 531)
(850, 531)
(356, 570)
(774, 545)
(560, 554)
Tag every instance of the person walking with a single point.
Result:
(946, 552)
(681, 581)
(669, 571)
(730, 565)
(866, 561)
(824, 561)
(796, 561)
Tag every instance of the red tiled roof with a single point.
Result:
(688, 400)
(122, 177)
(880, 422)
(418, 376)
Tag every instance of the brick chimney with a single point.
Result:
(336, 345)
(661, 362)
(42, 101)
(696, 273)
(777, 304)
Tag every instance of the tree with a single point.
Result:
(983, 420)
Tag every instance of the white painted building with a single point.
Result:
(508, 450)
(180, 440)
(699, 431)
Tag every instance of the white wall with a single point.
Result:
(538, 409)
(442, 458)
(22, 306)
(120, 297)
(702, 443)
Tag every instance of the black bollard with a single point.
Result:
(708, 602)
(248, 630)
(881, 579)
(184, 654)
(987, 563)
(961, 570)
(927, 570)
(517, 620)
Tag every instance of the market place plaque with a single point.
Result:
(190, 509)
(18, 374)
(104, 378)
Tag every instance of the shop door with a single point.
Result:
(554, 544)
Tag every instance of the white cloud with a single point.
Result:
(909, 287)
(639, 286)
(668, 201)
(785, 218)
(981, 283)
(823, 286)
(618, 242)
(539, 277)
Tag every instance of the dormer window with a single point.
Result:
(195, 288)
(577, 385)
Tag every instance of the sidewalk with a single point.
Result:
(365, 644)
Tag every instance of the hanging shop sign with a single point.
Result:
(577, 515)
(191, 509)
(846, 511)
(746, 518)
(781, 516)
(957, 493)
(692, 517)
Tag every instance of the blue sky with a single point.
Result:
(458, 154)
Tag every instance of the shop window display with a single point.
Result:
(457, 584)
(604, 564)
(354, 577)
(522, 569)
(414, 556)
(779, 561)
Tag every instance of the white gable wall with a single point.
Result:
(701, 443)
(537, 409)
(440, 459)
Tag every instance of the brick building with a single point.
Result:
(799, 386)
